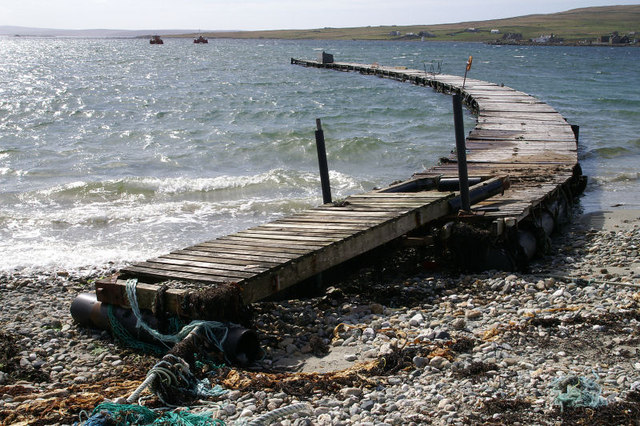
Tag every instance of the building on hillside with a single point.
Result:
(426, 34)
(545, 39)
(616, 38)
(512, 36)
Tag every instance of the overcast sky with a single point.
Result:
(267, 14)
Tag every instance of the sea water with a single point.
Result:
(118, 150)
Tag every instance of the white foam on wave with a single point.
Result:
(8, 171)
(50, 229)
(59, 255)
(616, 178)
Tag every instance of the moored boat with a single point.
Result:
(156, 40)
(201, 40)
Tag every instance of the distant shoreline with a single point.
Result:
(560, 44)
(216, 37)
(583, 26)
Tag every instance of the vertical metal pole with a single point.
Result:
(461, 151)
(322, 162)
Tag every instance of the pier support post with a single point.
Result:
(461, 151)
(576, 132)
(322, 162)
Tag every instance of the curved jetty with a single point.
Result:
(524, 172)
(517, 136)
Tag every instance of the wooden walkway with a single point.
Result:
(268, 258)
(516, 135)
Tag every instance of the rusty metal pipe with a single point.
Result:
(453, 184)
(479, 193)
(88, 312)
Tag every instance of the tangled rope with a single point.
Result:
(574, 391)
(122, 334)
(207, 327)
(272, 416)
(111, 414)
(172, 377)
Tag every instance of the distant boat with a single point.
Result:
(156, 40)
(201, 40)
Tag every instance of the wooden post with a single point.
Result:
(461, 151)
(322, 162)
(576, 132)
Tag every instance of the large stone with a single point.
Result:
(439, 362)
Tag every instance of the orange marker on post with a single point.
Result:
(469, 62)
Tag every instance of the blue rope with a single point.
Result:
(207, 327)
(121, 333)
(174, 374)
(574, 391)
(111, 414)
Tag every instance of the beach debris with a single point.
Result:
(577, 391)
(223, 302)
(273, 416)
(113, 414)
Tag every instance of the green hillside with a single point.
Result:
(573, 26)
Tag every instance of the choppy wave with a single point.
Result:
(110, 150)
(90, 223)
(620, 102)
(625, 177)
(608, 152)
(220, 187)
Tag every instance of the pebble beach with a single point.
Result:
(384, 347)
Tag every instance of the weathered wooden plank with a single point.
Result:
(331, 220)
(179, 262)
(242, 253)
(163, 266)
(345, 212)
(157, 274)
(361, 211)
(314, 232)
(384, 202)
(530, 126)
(264, 242)
(223, 262)
(421, 196)
(503, 97)
(252, 247)
(236, 255)
(288, 236)
(522, 115)
(524, 134)
(302, 225)
(516, 107)
(355, 203)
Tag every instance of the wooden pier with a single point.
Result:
(518, 141)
